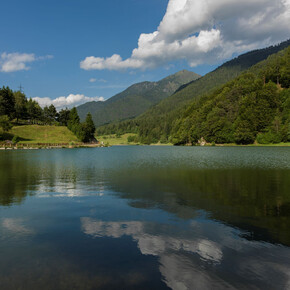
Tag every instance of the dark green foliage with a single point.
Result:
(135, 100)
(84, 131)
(63, 117)
(7, 102)
(251, 107)
(34, 111)
(5, 123)
(132, 138)
(49, 115)
(15, 139)
(74, 120)
(20, 105)
(89, 129)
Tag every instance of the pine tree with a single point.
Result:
(89, 129)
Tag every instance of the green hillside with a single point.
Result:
(254, 106)
(136, 99)
(158, 121)
(30, 134)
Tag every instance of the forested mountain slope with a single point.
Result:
(254, 106)
(136, 99)
(157, 122)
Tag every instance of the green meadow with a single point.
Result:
(30, 134)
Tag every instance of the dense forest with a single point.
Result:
(172, 119)
(16, 109)
(254, 106)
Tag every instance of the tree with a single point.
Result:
(34, 111)
(89, 129)
(49, 114)
(52, 113)
(63, 117)
(20, 105)
(5, 123)
(74, 119)
(7, 102)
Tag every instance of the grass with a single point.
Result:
(114, 140)
(30, 134)
(122, 140)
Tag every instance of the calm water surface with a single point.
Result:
(145, 218)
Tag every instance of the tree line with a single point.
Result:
(16, 108)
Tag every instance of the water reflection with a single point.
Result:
(15, 226)
(255, 200)
(150, 244)
(203, 255)
(145, 217)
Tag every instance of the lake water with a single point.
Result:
(145, 218)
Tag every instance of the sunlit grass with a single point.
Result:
(113, 139)
(30, 134)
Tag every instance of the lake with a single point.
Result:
(145, 217)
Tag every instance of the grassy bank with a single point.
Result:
(113, 139)
(32, 134)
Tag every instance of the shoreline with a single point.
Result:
(49, 146)
(67, 146)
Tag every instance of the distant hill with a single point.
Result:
(158, 121)
(136, 99)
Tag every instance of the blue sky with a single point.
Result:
(66, 48)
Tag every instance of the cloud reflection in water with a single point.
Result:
(194, 256)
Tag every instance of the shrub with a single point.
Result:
(15, 139)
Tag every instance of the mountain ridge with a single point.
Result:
(135, 99)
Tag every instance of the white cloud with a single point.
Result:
(11, 62)
(204, 32)
(93, 80)
(70, 101)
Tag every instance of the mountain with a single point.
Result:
(136, 99)
(158, 121)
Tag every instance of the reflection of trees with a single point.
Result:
(47, 172)
(253, 199)
(23, 173)
(15, 178)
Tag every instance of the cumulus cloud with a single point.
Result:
(11, 62)
(70, 101)
(201, 31)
